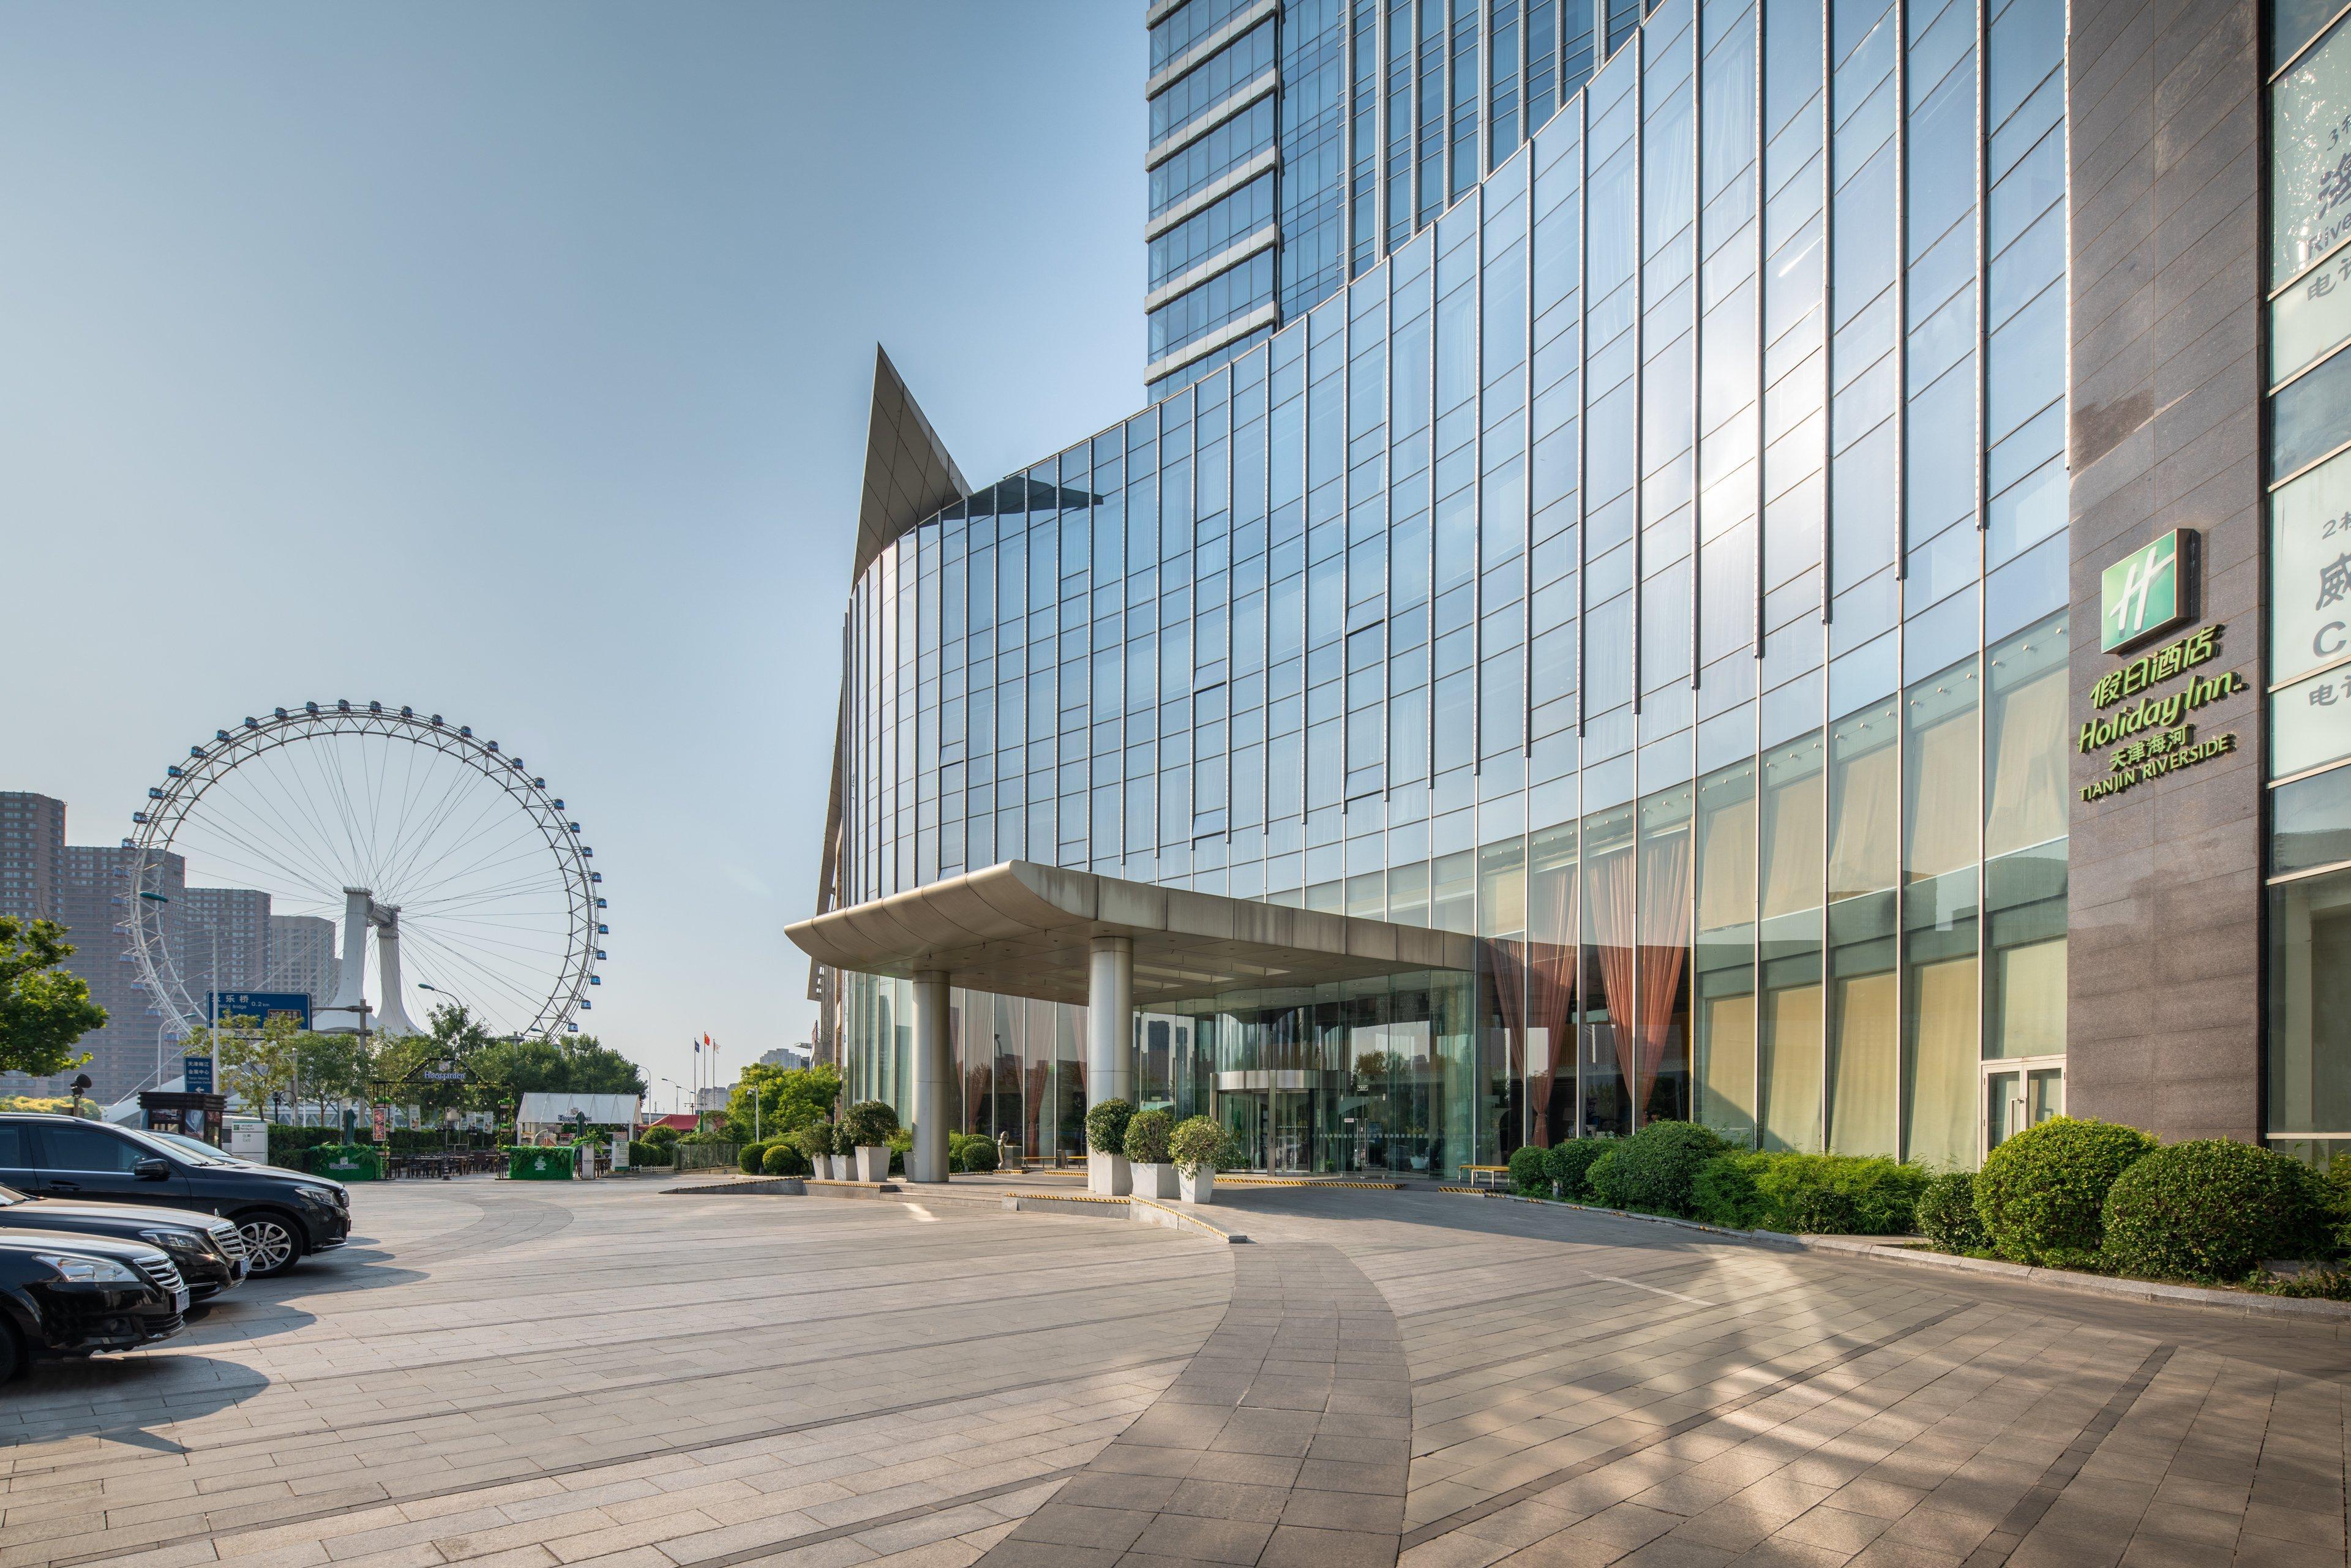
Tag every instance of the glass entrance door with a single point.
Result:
(2020, 1092)
(1289, 1150)
(1242, 1114)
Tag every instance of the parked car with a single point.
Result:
(208, 1251)
(284, 1216)
(68, 1295)
(202, 1152)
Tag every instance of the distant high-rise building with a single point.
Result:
(95, 894)
(301, 956)
(228, 926)
(1294, 143)
(32, 843)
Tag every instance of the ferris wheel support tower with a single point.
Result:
(361, 915)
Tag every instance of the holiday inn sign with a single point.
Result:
(2141, 594)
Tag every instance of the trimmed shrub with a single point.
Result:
(1106, 1126)
(971, 1152)
(1600, 1175)
(1531, 1171)
(2041, 1195)
(1147, 1137)
(1656, 1168)
(1196, 1144)
(1724, 1191)
(783, 1160)
(2212, 1209)
(751, 1156)
(868, 1124)
(816, 1138)
(1571, 1164)
(1947, 1213)
(901, 1144)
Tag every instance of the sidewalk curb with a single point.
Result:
(2242, 1303)
(1142, 1210)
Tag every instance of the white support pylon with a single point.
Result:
(392, 1019)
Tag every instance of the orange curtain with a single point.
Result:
(1551, 994)
(1665, 867)
(1612, 880)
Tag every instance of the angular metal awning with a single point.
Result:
(1022, 929)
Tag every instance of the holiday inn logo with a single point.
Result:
(2141, 594)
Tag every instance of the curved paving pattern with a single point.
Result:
(1284, 1442)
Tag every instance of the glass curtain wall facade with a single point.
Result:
(1296, 142)
(2309, 691)
(1654, 566)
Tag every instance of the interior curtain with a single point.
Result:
(1943, 1072)
(1793, 855)
(1861, 1082)
(1791, 1068)
(1551, 994)
(1726, 882)
(1943, 818)
(1862, 847)
(1665, 870)
(1613, 889)
(2028, 781)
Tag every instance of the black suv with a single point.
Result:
(75, 1295)
(208, 1251)
(283, 1215)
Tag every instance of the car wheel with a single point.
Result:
(271, 1242)
(13, 1359)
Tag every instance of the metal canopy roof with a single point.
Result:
(1025, 930)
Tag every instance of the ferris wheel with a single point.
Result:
(470, 876)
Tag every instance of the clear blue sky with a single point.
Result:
(511, 361)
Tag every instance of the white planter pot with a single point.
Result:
(1197, 1186)
(836, 1168)
(872, 1161)
(1108, 1175)
(1155, 1181)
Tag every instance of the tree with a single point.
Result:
(330, 1070)
(789, 1098)
(256, 1065)
(44, 1010)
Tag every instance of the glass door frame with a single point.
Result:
(2023, 1069)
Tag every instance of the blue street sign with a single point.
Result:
(199, 1070)
(265, 1005)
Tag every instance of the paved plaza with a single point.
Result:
(610, 1375)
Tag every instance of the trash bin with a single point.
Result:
(351, 1162)
(538, 1165)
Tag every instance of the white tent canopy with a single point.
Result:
(554, 1112)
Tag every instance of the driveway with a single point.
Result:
(609, 1375)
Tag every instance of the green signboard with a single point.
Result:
(2142, 593)
(538, 1165)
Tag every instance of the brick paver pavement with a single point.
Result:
(607, 1375)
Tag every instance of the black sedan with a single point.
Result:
(69, 1295)
(208, 1250)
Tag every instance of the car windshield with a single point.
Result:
(188, 1148)
(155, 1145)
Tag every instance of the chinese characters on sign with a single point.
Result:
(2163, 743)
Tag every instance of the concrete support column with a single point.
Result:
(1110, 1021)
(927, 1160)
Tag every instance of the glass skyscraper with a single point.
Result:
(1608, 496)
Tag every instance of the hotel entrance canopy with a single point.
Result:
(1026, 930)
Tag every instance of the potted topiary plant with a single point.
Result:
(815, 1141)
(1197, 1147)
(867, 1128)
(1106, 1171)
(1146, 1151)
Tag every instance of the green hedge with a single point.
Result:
(1531, 1171)
(2042, 1194)
(1197, 1143)
(780, 1159)
(1947, 1213)
(972, 1153)
(1655, 1169)
(1571, 1162)
(2214, 1210)
(1818, 1194)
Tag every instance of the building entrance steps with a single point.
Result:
(1286, 1440)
